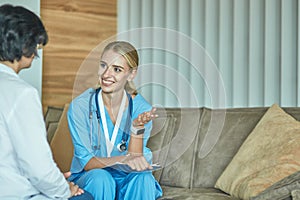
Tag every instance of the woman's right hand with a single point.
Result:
(144, 118)
(75, 190)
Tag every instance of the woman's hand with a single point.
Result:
(67, 174)
(137, 162)
(135, 159)
(75, 190)
(144, 118)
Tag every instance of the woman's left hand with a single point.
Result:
(75, 190)
(137, 162)
(144, 118)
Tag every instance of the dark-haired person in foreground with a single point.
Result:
(27, 169)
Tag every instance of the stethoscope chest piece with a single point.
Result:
(96, 147)
(122, 146)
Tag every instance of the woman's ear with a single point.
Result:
(132, 75)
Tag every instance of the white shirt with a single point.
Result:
(27, 169)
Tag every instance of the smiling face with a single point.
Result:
(114, 72)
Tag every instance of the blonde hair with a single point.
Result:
(131, 56)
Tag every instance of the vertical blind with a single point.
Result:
(215, 53)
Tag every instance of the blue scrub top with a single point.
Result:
(83, 128)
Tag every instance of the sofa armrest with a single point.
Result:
(295, 194)
(61, 143)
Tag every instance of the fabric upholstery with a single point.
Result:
(53, 114)
(175, 193)
(180, 159)
(162, 132)
(51, 130)
(176, 140)
(52, 117)
(282, 189)
(270, 153)
(61, 144)
(296, 194)
(235, 129)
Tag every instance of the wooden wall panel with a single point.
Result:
(75, 27)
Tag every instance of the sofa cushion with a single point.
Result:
(270, 153)
(51, 129)
(161, 135)
(175, 193)
(180, 159)
(61, 143)
(239, 122)
(52, 117)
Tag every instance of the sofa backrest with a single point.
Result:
(172, 143)
(235, 128)
(196, 145)
(177, 142)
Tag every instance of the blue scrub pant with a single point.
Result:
(111, 184)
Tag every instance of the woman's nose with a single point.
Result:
(106, 72)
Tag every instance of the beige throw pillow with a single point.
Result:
(270, 153)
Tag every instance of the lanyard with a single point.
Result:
(110, 143)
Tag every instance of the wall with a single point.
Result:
(215, 53)
(33, 75)
(75, 28)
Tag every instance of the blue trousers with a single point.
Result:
(111, 184)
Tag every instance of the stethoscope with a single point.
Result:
(122, 145)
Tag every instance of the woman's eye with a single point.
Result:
(102, 65)
(117, 69)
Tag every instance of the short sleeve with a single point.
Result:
(79, 129)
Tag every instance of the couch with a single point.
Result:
(196, 146)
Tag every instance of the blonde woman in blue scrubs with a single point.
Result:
(99, 120)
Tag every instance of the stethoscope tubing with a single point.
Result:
(125, 135)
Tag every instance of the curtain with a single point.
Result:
(214, 53)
